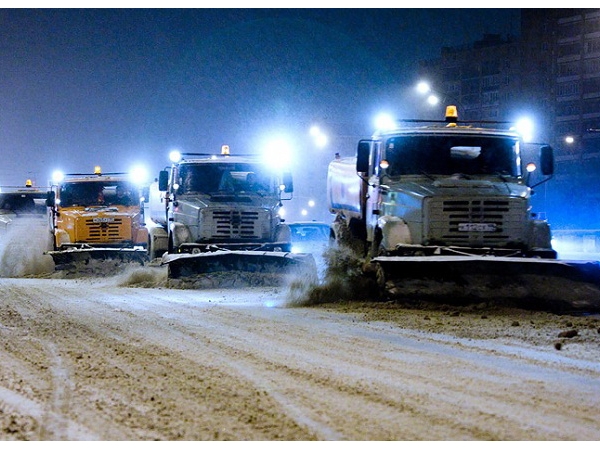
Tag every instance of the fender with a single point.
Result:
(140, 236)
(283, 233)
(180, 234)
(158, 242)
(394, 231)
(540, 236)
(61, 237)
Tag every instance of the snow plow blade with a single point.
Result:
(79, 255)
(560, 285)
(226, 268)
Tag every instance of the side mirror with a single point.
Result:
(547, 160)
(163, 180)
(50, 199)
(145, 194)
(362, 156)
(288, 182)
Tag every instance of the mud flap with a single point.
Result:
(83, 255)
(278, 267)
(545, 283)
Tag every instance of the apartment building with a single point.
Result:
(551, 73)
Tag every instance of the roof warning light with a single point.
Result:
(451, 115)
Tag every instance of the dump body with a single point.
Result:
(97, 216)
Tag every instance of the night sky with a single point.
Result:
(123, 87)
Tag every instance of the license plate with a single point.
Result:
(476, 227)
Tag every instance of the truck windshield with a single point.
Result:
(98, 193)
(211, 178)
(447, 155)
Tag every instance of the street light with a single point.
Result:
(320, 139)
(525, 127)
(435, 96)
(423, 87)
(433, 100)
(384, 122)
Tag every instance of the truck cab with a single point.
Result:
(205, 202)
(435, 189)
(96, 210)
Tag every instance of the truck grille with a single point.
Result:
(484, 222)
(227, 224)
(104, 232)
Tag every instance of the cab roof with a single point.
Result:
(448, 131)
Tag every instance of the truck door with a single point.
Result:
(373, 197)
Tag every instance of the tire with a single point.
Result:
(152, 253)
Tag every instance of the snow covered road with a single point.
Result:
(105, 359)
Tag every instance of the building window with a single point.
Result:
(568, 69)
(592, 66)
(592, 126)
(452, 87)
(591, 106)
(569, 49)
(490, 81)
(570, 29)
(490, 113)
(490, 67)
(490, 98)
(470, 86)
(568, 109)
(592, 47)
(568, 89)
(591, 86)
(571, 127)
(592, 25)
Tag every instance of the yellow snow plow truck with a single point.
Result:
(442, 210)
(219, 214)
(96, 216)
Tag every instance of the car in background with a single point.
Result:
(309, 237)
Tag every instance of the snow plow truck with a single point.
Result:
(221, 213)
(21, 205)
(442, 210)
(96, 216)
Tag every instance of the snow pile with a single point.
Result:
(344, 279)
(22, 247)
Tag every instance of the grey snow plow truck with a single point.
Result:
(220, 213)
(441, 210)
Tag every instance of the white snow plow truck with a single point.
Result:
(220, 213)
(442, 210)
(96, 216)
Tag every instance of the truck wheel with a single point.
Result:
(152, 253)
(347, 237)
(380, 276)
